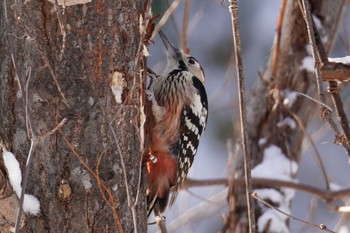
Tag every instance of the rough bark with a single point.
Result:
(68, 56)
(265, 107)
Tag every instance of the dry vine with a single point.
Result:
(233, 7)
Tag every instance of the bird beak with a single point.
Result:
(170, 48)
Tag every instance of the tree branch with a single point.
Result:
(233, 8)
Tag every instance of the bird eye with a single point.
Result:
(191, 61)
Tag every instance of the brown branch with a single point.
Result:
(48, 134)
(320, 227)
(342, 209)
(275, 52)
(160, 221)
(165, 17)
(184, 47)
(334, 71)
(341, 115)
(327, 195)
(308, 136)
(320, 58)
(233, 8)
(99, 180)
(233, 153)
(173, 21)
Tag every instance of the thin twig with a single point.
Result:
(341, 115)
(173, 21)
(308, 136)
(304, 9)
(62, 28)
(29, 120)
(34, 142)
(320, 227)
(142, 136)
(49, 133)
(322, 63)
(99, 180)
(233, 7)
(165, 17)
(201, 211)
(320, 58)
(275, 52)
(315, 100)
(184, 47)
(327, 195)
(311, 213)
(24, 184)
(130, 203)
(233, 153)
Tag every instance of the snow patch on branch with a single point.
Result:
(274, 219)
(275, 165)
(287, 122)
(30, 204)
(262, 141)
(308, 64)
(320, 28)
(344, 60)
(289, 97)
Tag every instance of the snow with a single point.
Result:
(344, 60)
(275, 165)
(308, 64)
(268, 193)
(262, 141)
(334, 186)
(30, 204)
(319, 26)
(344, 229)
(317, 21)
(14, 171)
(145, 51)
(276, 224)
(287, 122)
(289, 98)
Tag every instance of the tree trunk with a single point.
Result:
(78, 65)
(266, 109)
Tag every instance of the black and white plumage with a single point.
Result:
(180, 109)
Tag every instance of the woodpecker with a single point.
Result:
(180, 111)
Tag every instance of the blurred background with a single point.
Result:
(210, 41)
